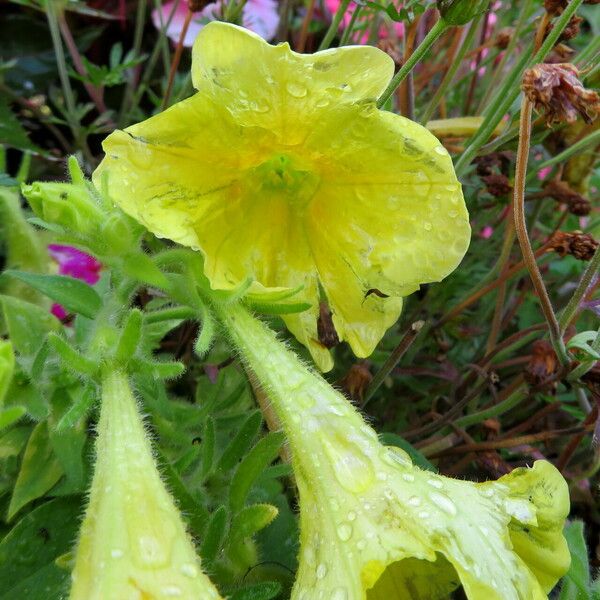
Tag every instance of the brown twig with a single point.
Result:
(305, 23)
(176, 58)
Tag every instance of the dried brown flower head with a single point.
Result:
(543, 363)
(556, 91)
(325, 328)
(555, 7)
(561, 191)
(196, 5)
(503, 37)
(497, 184)
(569, 32)
(578, 244)
(561, 53)
(357, 380)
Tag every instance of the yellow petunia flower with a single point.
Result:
(375, 527)
(133, 544)
(281, 169)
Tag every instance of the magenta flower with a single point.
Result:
(260, 16)
(73, 263)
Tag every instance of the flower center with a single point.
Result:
(287, 176)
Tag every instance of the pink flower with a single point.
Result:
(74, 263)
(260, 16)
(387, 30)
(543, 173)
(486, 232)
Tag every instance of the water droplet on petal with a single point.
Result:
(408, 477)
(436, 483)
(339, 594)
(321, 570)
(442, 501)
(414, 501)
(427, 226)
(344, 532)
(116, 553)
(322, 102)
(171, 591)
(189, 570)
(351, 515)
(441, 150)
(295, 89)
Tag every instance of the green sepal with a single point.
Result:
(251, 519)
(241, 443)
(72, 359)
(130, 336)
(214, 536)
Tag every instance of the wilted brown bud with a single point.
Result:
(561, 191)
(197, 5)
(497, 184)
(578, 244)
(543, 363)
(357, 380)
(503, 37)
(391, 48)
(556, 91)
(561, 53)
(555, 7)
(569, 32)
(325, 329)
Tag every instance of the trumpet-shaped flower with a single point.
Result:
(281, 169)
(373, 526)
(133, 544)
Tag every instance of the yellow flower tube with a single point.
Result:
(133, 544)
(373, 526)
(282, 170)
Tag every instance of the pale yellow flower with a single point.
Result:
(281, 169)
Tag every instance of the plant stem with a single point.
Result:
(305, 23)
(393, 359)
(348, 31)
(334, 25)
(494, 411)
(451, 72)
(176, 58)
(523, 237)
(572, 307)
(434, 33)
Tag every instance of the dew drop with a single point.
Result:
(322, 103)
(321, 570)
(442, 501)
(441, 150)
(189, 570)
(408, 477)
(427, 226)
(351, 516)
(171, 591)
(414, 501)
(344, 532)
(361, 544)
(116, 553)
(339, 594)
(297, 90)
(352, 468)
(436, 483)
(423, 515)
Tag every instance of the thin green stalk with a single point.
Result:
(451, 72)
(348, 31)
(495, 411)
(334, 25)
(434, 33)
(509, 91)
(582, 287)
(590, 50)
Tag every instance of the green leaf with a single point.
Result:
(241, 443)
(27, 325)
(130, 336)
(75, 295)
(576, 582)
(259, 591)
(28, 552)
(12, 132)
(40, 470)
(279, 309)
(207, 448)
(251, 520)
(215, 535)
(260, 457)
(70, 358)
(11, 415)
(7, 368)
(142, 268)
(207, 333)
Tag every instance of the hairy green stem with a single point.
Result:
(348, 31)
(434, 33)
(495, 411)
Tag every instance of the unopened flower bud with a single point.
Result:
(356, 381)
(503, 37)
(497, 184)
(577, 244)
(569, 32)
(542, 364)
(460, 12)
(555, 7)
(556, 91)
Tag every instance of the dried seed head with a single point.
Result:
(555, 7)
(503, 37)
(569, 32)
(556, 91)
(562, 192)
(580, 245)
(325, 328)
(497, 184)
(357, 380)
(542, 364)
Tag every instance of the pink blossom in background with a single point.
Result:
(487, 232)
(73, 263)
(260, 16)
(543, 173)
(385, 31)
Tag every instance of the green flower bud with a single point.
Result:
(460, 12)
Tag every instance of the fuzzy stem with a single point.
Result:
(334, 25)
(523, 237)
